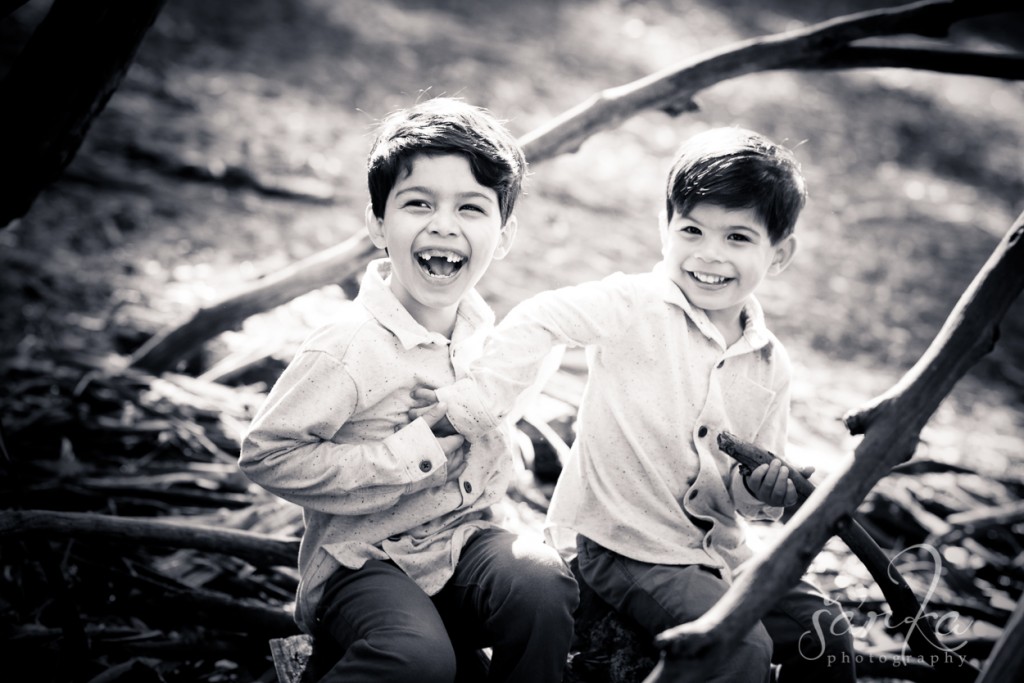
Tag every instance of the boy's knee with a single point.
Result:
(755, 650)
(412, 656)
(546, 582)
(431, 664)
(749, 659)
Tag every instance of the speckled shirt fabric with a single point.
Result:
(333, 437)
(645, 478)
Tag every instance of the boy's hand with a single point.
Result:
(455, 449)
(427, 407)
(434, 413)
(453, 444)
(771, 485)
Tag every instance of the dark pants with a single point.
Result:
(808, 636)
(512, 594)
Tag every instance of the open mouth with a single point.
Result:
(709, 279)
(440, 263)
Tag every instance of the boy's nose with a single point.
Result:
(709, 253)
(444, 224)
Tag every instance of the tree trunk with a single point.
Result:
(60, 82)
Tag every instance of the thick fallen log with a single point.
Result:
(260, 550)
(607, 647)
(821, 46)
(891, 425)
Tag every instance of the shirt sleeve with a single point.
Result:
(289, 449)
(516, 350)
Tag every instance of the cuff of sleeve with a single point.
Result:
(749, 505)
(467, 409)
(417, 448)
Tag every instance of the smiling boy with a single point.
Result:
(647, 500)
(404, 569)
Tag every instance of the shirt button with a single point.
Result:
(467, 487)
(692, 494)
(721, 363)
(425, 466)
(394, 539)
(702, 432)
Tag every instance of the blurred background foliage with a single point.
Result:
(913, 175)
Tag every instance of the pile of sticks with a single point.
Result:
(130, 544)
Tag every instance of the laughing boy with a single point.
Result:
(405, 571)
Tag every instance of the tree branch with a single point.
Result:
(61, 81)
(1007, 658)
(260, 550)
(330, 266)
(816, 46)
(823, 45)
(1009, 67)
(895, 420)
(910, 618)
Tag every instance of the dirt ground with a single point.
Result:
(914, 177)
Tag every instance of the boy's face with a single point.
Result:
(718, 257)
(441, 228)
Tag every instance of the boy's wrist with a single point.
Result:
(416, 443)
(464, 419)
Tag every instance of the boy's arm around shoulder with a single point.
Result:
(289, 451)
(518, 349)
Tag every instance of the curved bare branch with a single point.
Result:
(823, 45)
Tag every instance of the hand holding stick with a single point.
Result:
(918, 626)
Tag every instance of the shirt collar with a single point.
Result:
(376, 296)
(755, 332)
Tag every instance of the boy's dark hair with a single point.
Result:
(738, 169)
(446, 125)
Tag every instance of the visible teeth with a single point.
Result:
(440, 263)
(449, 256)
(709, 279)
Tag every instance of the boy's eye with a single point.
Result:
(473, 207)
(690, 230)
(417, 204)
(736, 237)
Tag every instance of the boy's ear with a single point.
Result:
(508, 234)
(663, 229)
(784, 253)
(375, 226)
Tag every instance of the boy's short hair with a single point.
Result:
(446, 125)
(738, 169)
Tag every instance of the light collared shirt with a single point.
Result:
(334, 437)
(645, 477)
